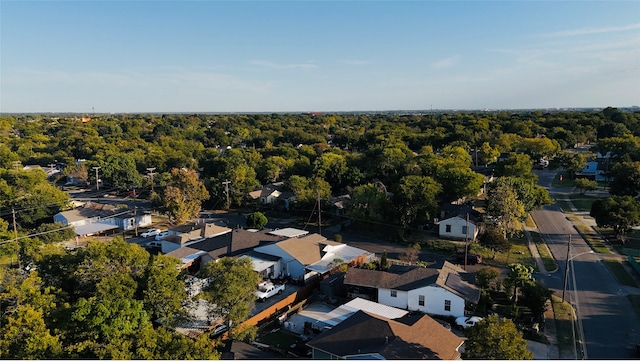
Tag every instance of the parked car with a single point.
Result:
(150, 233)
(153, 244)
(162, 235)
(466, 322)
(267, 290)
(219, 330)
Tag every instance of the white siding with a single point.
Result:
(457, 227)
(288, 264)
(434, 301)
(400, 301)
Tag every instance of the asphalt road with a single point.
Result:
(606, 319)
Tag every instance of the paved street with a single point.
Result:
(606, 318)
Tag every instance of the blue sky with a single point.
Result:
(290, 56)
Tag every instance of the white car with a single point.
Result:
(466, 322)
(150, 233)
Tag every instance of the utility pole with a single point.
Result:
(151, 173)
(466, 243)
(96, 168)
(135, 218)
(566, 269)
(15, 237)
(226, 191)
(319, 215)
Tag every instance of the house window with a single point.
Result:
(447, 305)
(464, 230)
(447, 228)
(394, 293)
(421, 300)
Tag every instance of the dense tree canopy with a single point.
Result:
(495, 338)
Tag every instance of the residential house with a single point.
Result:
(459, 222)
(309, 256)
(273, 194)
(597, 169)
(191, 233)
(93, 218)
(366, 335)
(232, 243)
(441, 290)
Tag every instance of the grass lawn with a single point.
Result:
(582, 202)
(519, 253)
(620, 272)
(548, 260)
(566, 182)
(564, 328)
(593, 239)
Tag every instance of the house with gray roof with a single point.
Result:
(441, 290)
(94, 218)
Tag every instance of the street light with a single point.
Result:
(566, 266)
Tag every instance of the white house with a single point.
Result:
(304, 257)
(93, 218)
(458, 222)
(272, 194)
(438, 291)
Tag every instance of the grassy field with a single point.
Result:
(620, 272)
(519, 253)
(593, 239)
(548, 260)
(582, 202)
(564, 327)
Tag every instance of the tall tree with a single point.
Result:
(183, 198)
(165, 291)
(495, 338)
(620, 213)
(416, 198)
(504, 208)
(231, 290)
(626, 179)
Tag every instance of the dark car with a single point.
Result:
(471, 259)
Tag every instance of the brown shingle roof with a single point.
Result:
(307, 249)
(411, 337)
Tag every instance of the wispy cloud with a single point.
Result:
(446, 62)
(588, 31)
(264, 63)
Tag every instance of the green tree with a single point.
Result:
(119, 170)
(572, 162)
(369, 203)
(384, 263)
(165, 293)
(626, 179)
(31, 195)
(535, 296)
(24, 335)
(458, 182)
(487, 154)
(416, 198)
(487, 277)
(504, 208)
(495, 240)
(495, 338)
(231, 290)
(620, 213)
(183, 198)
(518, 276)
(256, 220)
(585, 185)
